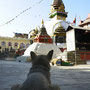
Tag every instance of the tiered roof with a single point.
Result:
(85, 22)
(43, 37)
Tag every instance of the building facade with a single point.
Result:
(78, 44)
(14, 43)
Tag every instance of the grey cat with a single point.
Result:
(39, 75)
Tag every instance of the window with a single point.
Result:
(15, 44)
(3, 43)
(9, 44)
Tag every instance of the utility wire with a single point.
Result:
(8, 22)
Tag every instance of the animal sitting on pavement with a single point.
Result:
(39, 75)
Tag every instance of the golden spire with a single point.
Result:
(42, 22)
(57, 3)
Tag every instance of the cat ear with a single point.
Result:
(50, 54)
(33, 55)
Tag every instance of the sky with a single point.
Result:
(32, 13)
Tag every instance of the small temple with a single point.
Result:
(43, 37)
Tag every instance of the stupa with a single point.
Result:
(55, 28)
(42, 45)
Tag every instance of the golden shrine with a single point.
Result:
(58, 12)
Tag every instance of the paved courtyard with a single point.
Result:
(68, 78)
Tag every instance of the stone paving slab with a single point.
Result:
(68, 78)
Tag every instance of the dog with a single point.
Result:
(39, 75)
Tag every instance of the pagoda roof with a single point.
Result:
(76, 27)
(85, 22)
(68, 26)
(57, 3)
(43, 37)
